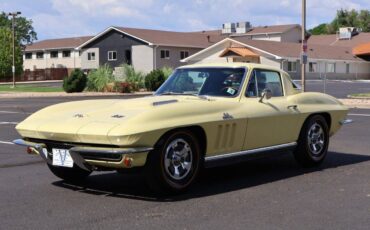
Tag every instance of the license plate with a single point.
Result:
(62, 157)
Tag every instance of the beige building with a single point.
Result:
(334, 62)
(145, 49)
(53, 53)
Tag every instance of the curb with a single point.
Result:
(43, 95)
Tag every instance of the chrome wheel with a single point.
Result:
(178, 159)
(316, 139)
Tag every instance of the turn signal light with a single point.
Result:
(29, 150)
(127, 162)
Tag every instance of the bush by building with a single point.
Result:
(101, 80)
(154, 79)
(76, 82)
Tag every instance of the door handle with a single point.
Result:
(292, 107)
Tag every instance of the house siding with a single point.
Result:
(174, 60)
(142, 58)
(113, 41)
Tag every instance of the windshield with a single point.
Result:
(223, 82)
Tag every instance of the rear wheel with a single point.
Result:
(174, 163)
(69, 174)
(313, 142)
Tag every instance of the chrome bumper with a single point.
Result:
(345, 121)
(78, 151)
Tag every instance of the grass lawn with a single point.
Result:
(361, 95)
(29, 88)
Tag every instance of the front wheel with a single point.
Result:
(174, 163)
(313, 142)
(69, 174)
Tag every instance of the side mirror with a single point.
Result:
(266, 94)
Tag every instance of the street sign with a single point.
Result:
(304, 46)
(304, 58)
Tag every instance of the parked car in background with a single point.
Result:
(202, 116)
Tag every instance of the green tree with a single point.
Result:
(25, 33)
(320, 29)
(6, 54)
(364, 20)
(345, 18)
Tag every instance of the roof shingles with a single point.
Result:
(50, 44)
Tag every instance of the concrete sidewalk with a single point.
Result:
(64, 94)
(31, 82)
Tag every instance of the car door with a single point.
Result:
(269, 122)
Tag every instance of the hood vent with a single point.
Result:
(164, 102)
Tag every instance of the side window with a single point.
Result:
(264, 79)
(251, 88)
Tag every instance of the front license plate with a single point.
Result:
(62, 157)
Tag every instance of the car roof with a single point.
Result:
(231, 65)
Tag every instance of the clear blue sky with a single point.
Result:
(64, 18)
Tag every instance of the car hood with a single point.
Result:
(91, 121)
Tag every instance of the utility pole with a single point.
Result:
(13, 15)
(304, 47)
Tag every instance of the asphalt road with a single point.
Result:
(272, 193)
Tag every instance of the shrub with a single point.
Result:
(76, 82)
(123, 87)
(100, 79)
(154, 79)
(167, 71)
(134, 78)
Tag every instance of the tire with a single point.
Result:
(313, 142)
(168, 172)
(69, 174)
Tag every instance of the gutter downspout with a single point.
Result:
(155, 56)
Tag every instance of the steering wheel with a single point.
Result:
(229, 90)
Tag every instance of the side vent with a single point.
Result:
(225, 136)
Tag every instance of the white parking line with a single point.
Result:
(2, 111)
(8, 123)
(6, 142)
(359, 114)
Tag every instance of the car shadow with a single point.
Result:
(211, 181)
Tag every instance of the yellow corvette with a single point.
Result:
(202, 116)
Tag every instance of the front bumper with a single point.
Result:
(91, 158)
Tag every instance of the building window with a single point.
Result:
(112, 55)
(292, 66)
(184, 54)
(312, 67)
(66, 53)
(347, 68)
(165, 54)
(28, 55)
(54, 54)
(91, 56)
(40, 55)
(330, 67)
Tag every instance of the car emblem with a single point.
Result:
(78, 115)
(117, 116)
(227, 116)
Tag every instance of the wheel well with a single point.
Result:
(326, 116)
(197, 131)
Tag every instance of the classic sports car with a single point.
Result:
(202, 116)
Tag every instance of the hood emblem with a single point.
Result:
(78, 115)
(227, 116)
(117, 116)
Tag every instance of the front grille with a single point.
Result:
(87, 156)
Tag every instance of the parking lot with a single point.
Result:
(273, 193)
